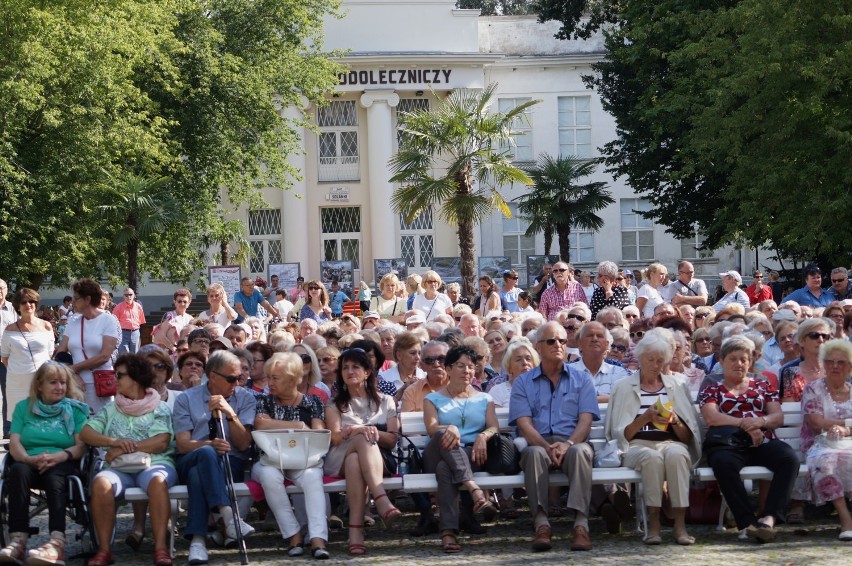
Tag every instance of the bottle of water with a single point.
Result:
(402, 469)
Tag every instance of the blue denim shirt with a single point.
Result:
(554, 411)
(804, 297)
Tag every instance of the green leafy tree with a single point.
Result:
(557, 202)
(497, 7)
(455, 157)
(731, 117)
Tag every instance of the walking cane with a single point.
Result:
(229, 480)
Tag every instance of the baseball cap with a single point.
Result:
(415, 319)
(784, 314)
(370, 314)
(733, 274)
(224, 341)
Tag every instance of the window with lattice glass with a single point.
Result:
(338, 141)
(575, 126)
(637, 232)
(341, 234)
(408, 105)
(264, 227)
(416, 240)
(522, 149)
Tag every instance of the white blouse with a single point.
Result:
(26, 351)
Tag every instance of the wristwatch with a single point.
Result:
(570, 443)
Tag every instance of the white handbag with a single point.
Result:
(289, 449)
(609, 456)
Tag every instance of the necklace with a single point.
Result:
(464, 410)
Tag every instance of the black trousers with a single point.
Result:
(22, 478)
(776, 455)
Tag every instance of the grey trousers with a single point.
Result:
(577, 465)
(451, 469)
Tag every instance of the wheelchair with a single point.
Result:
(77, 509)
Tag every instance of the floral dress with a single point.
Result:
(830, 468)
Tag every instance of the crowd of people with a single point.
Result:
(552, 355)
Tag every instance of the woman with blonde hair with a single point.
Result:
(220, 311)
(704, 317)
(316, 303)
(431, 302)
(414, 288)
(649, 296)
(387, 304)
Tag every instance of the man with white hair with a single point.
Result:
(731, 280)
(470, 325)
(307, 327)
(563, 293)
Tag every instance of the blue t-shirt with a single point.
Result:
(468, 415)
(510, 299)
(336, 302)
(249, 303)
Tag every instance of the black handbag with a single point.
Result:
(726, 437)
(502, 456)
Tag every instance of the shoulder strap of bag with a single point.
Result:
(82, 340)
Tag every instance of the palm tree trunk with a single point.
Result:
(224, 252)
(133, 264)
(548, 241)
(563, 233)
(467, 252)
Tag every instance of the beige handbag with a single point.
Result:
(131, 462)
(290, 449)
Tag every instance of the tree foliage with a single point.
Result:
(557, 202)
(186, 89)
(733, 117)
(454, 157)
(498, 7)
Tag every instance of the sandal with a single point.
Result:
(162, 557)
(51, 552)
(356, 548)
(481, 504)
(450, 543)
(391, 515)
(134, 540)
(14, 551)
(101, 558)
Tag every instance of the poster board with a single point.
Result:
(397, 265)
(286, 272)
(340, 271)
(229, 276)
(494, 266)
(449, 268)
(534, 264)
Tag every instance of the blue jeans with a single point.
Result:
(129, 342)
(204, 476)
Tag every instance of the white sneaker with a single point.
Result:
(245, 528)
(197, 553)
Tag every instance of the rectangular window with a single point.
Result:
(416, 240)
(690, 248)
(515, 244)
(264, 239)
(637, 233)
(575, 126)
(409, 105)
(341, 234)
(522, 128)
(582, 246)
(338, 141)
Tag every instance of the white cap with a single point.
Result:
(784, 314)
(733, 274)
(370, 314)
(415, 319)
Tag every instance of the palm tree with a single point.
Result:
(141, 207)
(556, 202)
(455, 157)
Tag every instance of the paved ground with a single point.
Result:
(508, 542)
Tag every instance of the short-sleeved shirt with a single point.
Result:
(695, 288)
(510, 299)
(417, 390)
(553, 300)
(93, 332)
(309, 408)
(335, 301)
(468, 414)
(756, 297)
(249, 303)
(45, 435)
(553, 410)
(735, 296)
(110, 421)
(432, 307)
(600, 301)
(654, 299)
(806, 298)
(191, 414)
(130, 317)
(388, 307)
(751, 404)
(606, 376)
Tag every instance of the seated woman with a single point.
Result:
(137, 421)
(460, 420)
(742, 414)
(284, 407)
(520, 357)
(261, 353)
(311, 377)
(361, 420)
(662, 448)
(826, 431)
(45, 448)
(191, 369)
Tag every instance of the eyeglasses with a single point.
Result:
(202, 341)
(703, 340)
(160, 366)
(553, 341)
(579, 317)
(818, 335)
(619, 347)
(193, 365)
(306, 359)
(229, 378)
(785, 338)
(639, 334)
(128, 294)
(619, 278)
(687, 272)
(560, 270)
(702, 315)
(838, 280)
(327, 360)
(432, 281)
(835, 362)
(29, 302)
(430, 360)
(758, 276)
(313, 288)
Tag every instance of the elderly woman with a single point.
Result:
(136, 422)
(520, 357)
(657, 277)
(454, 293)
(835, 313)
(316, 305)
(431, 302)
(497, 342)
(258, 332)
(483, 374)
(162, 368)
(350, 324)
(27, 343)
(45, 448)
(662, 444)
(388, 334)
(361, 420)
(460, 420)
(311, 378)
(387, 304)
(826, 431)
(285, 407)
(220, 311)
(489, 297)
(406, 353)
(191, 368)
(810, 336)
(327, 359)
(91, 338)
(682, 362)
(731, 280)
(260, 353)
(742, 414)
(609, 292)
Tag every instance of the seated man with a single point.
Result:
(200, 466)
(553, 407)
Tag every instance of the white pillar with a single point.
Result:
(294, 206)
(380, 138)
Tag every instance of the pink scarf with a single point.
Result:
(138, 407)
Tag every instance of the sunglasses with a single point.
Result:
(229, 378)
(328, 360)
(313, 288)
(619, 278)
(128, 294)
(758, 276)
(29, 302)
(702, 340)
(702, 315)
(579, 317)
(160, 366)
(619, 347)
(838, 280)
(553, 341)
(306, 359)
(637, 334)
(818, 335)
(429, 360)
(560, 270)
